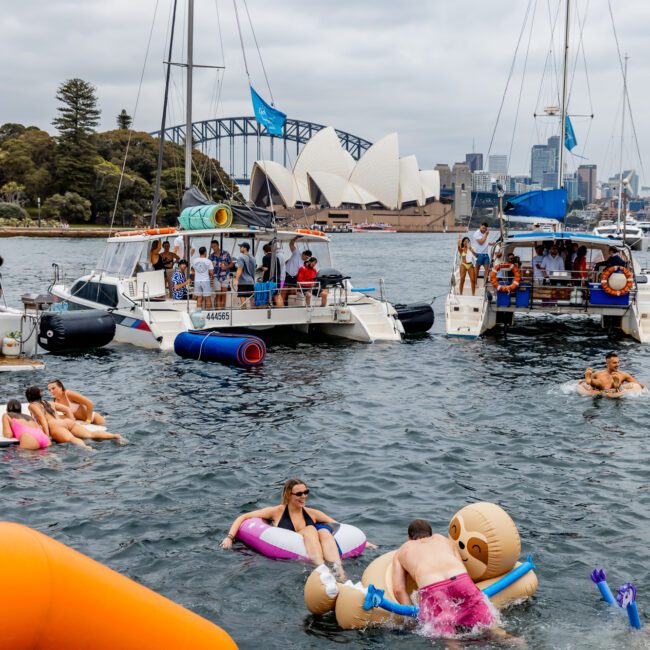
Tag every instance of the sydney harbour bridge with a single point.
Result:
(238, 141)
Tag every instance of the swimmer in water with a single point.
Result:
(81, 406)
(307, 522)
(450, 602)
(611, 381)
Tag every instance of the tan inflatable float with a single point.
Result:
(627, 388)
(488, 542)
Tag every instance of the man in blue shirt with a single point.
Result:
(223, 264)
(180, 281)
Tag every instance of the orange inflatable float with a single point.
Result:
(61, 599)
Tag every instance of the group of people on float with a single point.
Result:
(215, 273)
(550, 257)
(59, 420)
(449, 600)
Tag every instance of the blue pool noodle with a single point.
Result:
(600, 580)
(633, 615)
(215, 346)
(375, 597)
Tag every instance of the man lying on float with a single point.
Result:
(611, 382)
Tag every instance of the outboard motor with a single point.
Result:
(416, 317)
(75, 330)
(331, 278)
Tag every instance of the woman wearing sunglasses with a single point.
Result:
(291, 514)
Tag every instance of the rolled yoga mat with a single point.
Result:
(241, 350)
(206, 217)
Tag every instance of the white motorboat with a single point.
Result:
(124, 284)
(630, 232)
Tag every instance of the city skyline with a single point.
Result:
(440, 89)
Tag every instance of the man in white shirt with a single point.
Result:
(537, 262)
(297, 259)
(203, 272)
(552, 262)
(179, 247)
(481, 247)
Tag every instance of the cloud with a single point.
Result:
(435, 72)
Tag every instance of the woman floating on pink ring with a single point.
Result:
(309, 523)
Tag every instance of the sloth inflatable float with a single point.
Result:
(488, 542)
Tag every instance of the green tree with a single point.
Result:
(12, 192)
(124, 120)
(12, 211)
(76, 122)
(10, 130)
(68, 207)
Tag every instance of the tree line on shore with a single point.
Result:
(78, 175)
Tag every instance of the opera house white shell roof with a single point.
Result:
(326, 174)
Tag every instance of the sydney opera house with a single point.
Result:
(380, 187)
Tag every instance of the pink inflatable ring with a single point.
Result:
(282, 544)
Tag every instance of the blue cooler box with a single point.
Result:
(503, 299)
(522, 297)
(599, 297)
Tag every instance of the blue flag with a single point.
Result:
(270, 118)
(569, 136)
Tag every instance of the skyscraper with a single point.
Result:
(554, 143)
(542, 161)
(498, 164)
(587, 182)
(474, 161)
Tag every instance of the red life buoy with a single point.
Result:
(505, 287)
(604, 283)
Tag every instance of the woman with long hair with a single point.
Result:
(579, 266)
(24, 428)
(57, 420)
(467, 257)
(81, 406)
(154, 256)
(293, 515)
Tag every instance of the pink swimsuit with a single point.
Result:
(458, 602)
(20, 427)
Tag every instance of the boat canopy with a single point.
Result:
(538, 203)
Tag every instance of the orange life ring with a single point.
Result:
(616, 292)
(304, 231)
(505, 287)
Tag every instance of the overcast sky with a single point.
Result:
(434, 71)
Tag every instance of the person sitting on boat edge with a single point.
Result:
(450, 602)
(307, 284)
(24, 428)
(244, 280)
(482, 248)
(611, 379)
(311, 524)
(223, 264)
(81, 406)
(180, 281)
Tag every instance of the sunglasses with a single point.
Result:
(301, 494)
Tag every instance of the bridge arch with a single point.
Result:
(253, 140)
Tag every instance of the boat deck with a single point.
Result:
(20, 364)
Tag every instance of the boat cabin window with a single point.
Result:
(101, 292)
(120, 258)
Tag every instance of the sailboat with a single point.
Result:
(612, 287)
(124, 282)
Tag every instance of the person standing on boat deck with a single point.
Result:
(467, 256)
(482, 249)
(537, 261)
(579, 266)
(292, 266)
(203, 272)
(180, 281)
(155, 256)
(268, 275)
(614, 259)
(223, 264)
(552, 262)
(292, 515)
(179, 247)
(168, 258)
(244, 282)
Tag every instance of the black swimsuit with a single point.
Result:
(285, 520)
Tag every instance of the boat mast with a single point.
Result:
(188, 110)
(620, 151)
(565, 76)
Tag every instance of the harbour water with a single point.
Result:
(381, 434)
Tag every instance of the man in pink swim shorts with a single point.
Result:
(450, 602)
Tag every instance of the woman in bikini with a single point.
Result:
(62, 428)
(467, 257)
(293, 515)
(17, 425)
(155, 257)
(81, 407)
